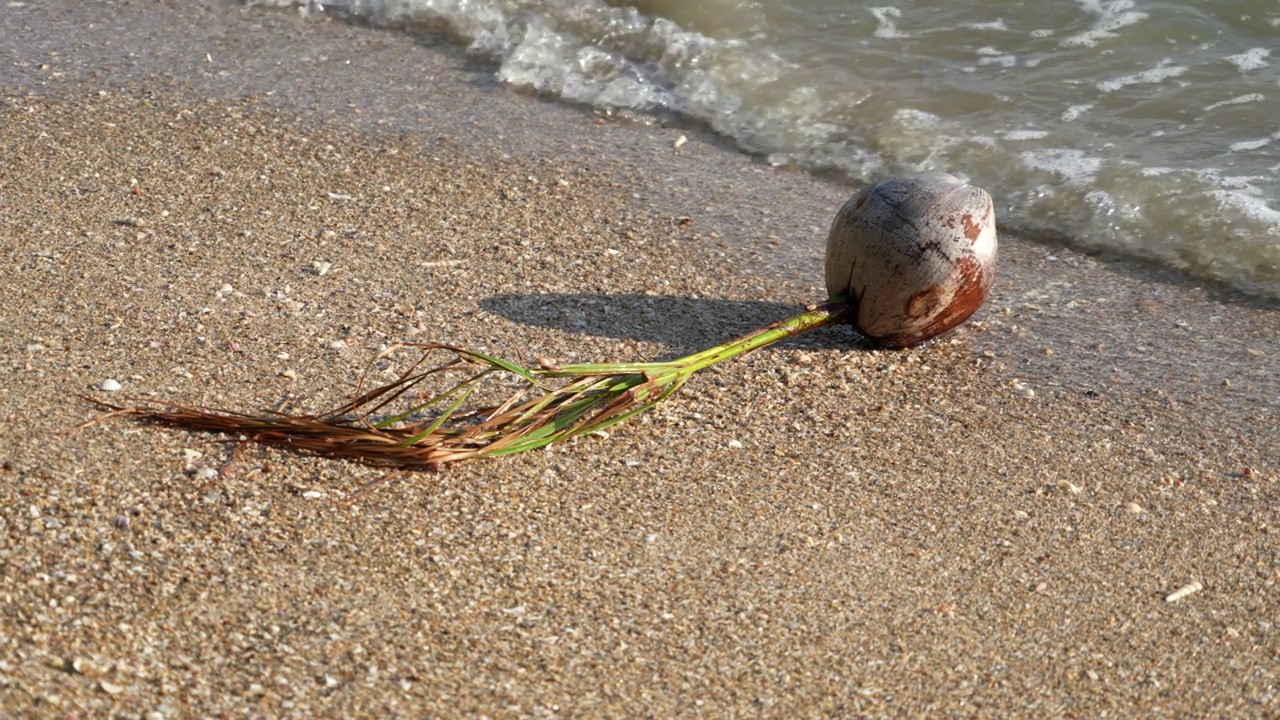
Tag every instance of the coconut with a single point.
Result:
(912, 256)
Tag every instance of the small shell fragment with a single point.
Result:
(109, 385)
(1185, 590)
(1070, 487)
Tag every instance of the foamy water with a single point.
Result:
(1145, 128)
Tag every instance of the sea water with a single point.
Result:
(1140, 127)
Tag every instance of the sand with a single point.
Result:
(990, 526)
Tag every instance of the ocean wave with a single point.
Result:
(1099, 147)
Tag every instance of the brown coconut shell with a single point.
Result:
(913, 256)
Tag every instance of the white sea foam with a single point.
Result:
(914, 118)
(1252, 206)
(1074, 166)
(553, 62)
(1247, 145)
(1016, 135)
(887, 28)
(997, 24)
(1112, 15)
(1075, 111)
(1102, 202)
(990, 56)
(1164, 70)
(1007, 61)
(1251, 59)
(1238, 192)
(1238, 100)
(1246, 183)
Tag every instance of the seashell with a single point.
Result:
(913, 256)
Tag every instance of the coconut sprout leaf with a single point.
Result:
(434, 400)
(384, 395)
(468, 388)
(499, 363)
(407, 424)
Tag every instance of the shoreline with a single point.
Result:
(973, 527)
(1058, 319)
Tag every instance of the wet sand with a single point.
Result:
(989, 526)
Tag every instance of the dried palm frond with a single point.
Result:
(401, 425)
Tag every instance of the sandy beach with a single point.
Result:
(238, 209)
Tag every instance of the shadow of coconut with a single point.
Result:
(682, 325)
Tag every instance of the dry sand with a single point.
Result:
(986, 527)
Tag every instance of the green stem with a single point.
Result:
(603, 394)
(828, 313)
